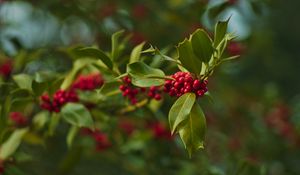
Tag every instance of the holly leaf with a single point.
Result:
(77, 115)
(202, 45)
(95, 53)
(187, 57)
(136, 53)
(24, 81)
(71, 135)
(180, 110)
(12, 143)
(220, 31)
(145, 76)
(193, 132)
(110, 87)
(115, 45)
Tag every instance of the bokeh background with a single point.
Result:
(253, 122)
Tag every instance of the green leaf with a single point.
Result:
(53, 123)
(223, 44)
(149, 50)
(24, 81)
(136, 53)
(33, 139)
(180, 110)
(193, 132)
(95, 53)
(77, 115)
(69, 79)
(115, 48)
(202, 45)
(41, 77)
(12, 143)
(109, 87)
(188, 58)
(230, 58)
(220, 31)
(71, 135)
(89, 96)
(144, 76)
(40, 119)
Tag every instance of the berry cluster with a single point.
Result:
(126, 126)
(101, 139)
(160, 131)
(235, 48)
(278, 119)
(60, 98)
(88, 82)
(183, 83)
(6, 68)
(154, 92)
(131, 92)
(18, 118)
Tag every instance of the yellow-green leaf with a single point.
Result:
(24, 81)
(187, 57)
(193, 132)
(180, 110)
(202, 45)
(12, 143)
(136, 53)
(77, 115)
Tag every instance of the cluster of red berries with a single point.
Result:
(183, 83)
(60, 98)
(235, 48)
(101, 139)
(6, 68)
(18, 118)
(278, 119)
(88, 82)
(160, 131)
(154, 92)
(126, 127)
(131, 92)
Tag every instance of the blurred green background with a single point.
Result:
(254, 121)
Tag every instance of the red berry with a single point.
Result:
(172, 93)
(127, 80)
(200, 93)
(157, 97)
(196, 84)
(150, 94)
(135, 91)
(6, 68)
(143, 89)
(18, 118)
(152, 88)
(133, 101)
(181, 79)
